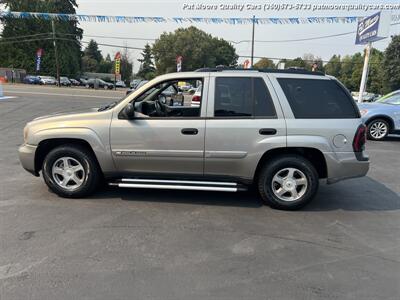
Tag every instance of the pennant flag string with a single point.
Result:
(183, 20)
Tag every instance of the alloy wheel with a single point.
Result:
(289, 184)
(378, 130)
(68, 173)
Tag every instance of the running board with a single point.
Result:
(215, 186)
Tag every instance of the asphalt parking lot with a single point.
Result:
(144, 244)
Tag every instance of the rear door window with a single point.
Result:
(318, 99)
(242, 97)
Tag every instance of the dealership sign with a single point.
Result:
(179, 61)
(118, 63)
(373, 28)
(39, 54)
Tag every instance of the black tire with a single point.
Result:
(373, 126)
(277, 165)
(91, 176)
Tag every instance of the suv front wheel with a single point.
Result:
(288, 182)
(71, 172)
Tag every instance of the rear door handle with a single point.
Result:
(190, 131)
(267, 131)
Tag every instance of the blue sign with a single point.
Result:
(39, 54)
(372, 29)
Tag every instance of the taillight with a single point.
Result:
(360, 138)
(196, 99)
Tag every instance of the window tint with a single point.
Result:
(318, 99)
(264, 106)
(242, 97)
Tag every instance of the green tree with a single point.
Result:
(89, 64)
(92, 51)
(296, 63)
(126, 66)
(310, 59)
(106, 65)
(264, 63)
(347, 71)
(375, 83)
(197, 48)
(147, 70)
(334, 66)
(391, 64)
(21, 52)
(358, 64)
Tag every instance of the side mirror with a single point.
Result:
(192, 92)
(129, 111)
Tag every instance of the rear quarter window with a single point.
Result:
(318, 99)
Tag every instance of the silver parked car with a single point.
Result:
(47, 80)
(282, 131)
(382, 117)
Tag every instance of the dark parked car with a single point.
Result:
(139, 85)
(83, 82)
(75, 82)
(29, 79)
(92, 83)
(64, 81)
(134, 83)
(120, 84)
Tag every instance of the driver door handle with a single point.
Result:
(189, 131)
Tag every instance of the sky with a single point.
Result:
(323, 48)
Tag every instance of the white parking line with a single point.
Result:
(66, 95)
(5, 98)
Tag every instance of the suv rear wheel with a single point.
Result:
(288, 182)
(378, 129)
(71, 172)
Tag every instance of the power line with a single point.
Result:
(153, 39)
(114, 37)
(136, 48)
(306, 60)
(24, 36)
(115, 46)
(297, 40)
(25, 41)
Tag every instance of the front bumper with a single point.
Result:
(344, 165)
(27, 158)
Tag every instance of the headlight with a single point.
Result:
(363, 112)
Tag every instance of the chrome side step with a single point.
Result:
(188, 185)
(217, 183)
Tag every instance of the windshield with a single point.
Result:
(393, 98)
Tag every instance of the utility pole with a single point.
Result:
(365, 72)
(252, 42)
(56, 51)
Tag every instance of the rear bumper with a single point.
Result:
(27, 158)
(344, 165)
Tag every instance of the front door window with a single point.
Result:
(171, 99)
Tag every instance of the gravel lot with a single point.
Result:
(144, 244)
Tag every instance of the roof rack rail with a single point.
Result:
(284, 71)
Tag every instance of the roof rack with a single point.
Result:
(285, 71)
